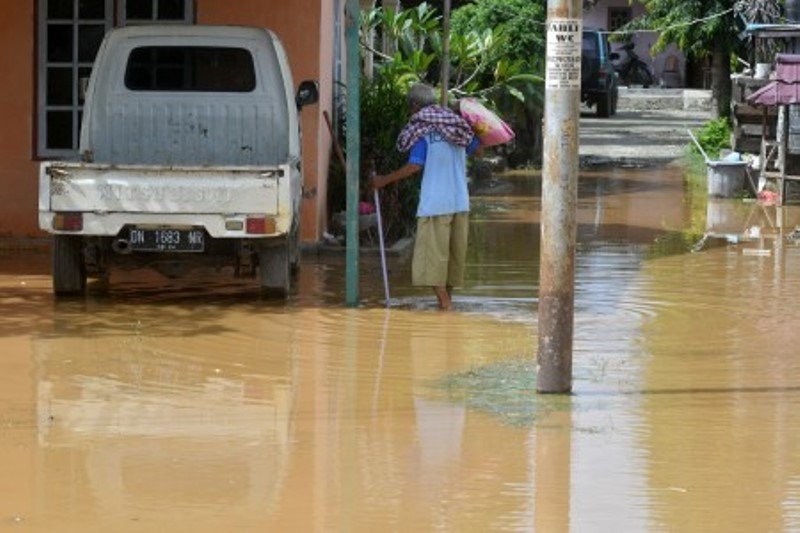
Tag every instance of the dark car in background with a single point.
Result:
(599, 83)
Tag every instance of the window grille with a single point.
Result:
(69, 36)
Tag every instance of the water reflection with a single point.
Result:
(551, 463)
(767, 228)
(153, 405)
(228, 417)
(149, 420)
(725, 388)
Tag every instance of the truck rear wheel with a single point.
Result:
(69, 266)
(604, 105)
(273, 267)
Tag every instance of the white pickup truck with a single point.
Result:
(190, 155)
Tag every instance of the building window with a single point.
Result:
(618, 17)
(70, 33)
(150, 11)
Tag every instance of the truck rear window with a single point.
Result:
(190, 68)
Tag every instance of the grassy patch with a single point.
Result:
(506, 389)
(696, 173)
(714, 136)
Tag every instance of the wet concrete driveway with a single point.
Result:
(163, 406)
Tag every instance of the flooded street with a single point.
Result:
(158, 405)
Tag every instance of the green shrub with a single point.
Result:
(713, 137)
(383, 114)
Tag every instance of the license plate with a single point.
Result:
(166, 240)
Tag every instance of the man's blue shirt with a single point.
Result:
(444, 176)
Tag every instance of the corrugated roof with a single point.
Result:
(785, 90)
(755, 27)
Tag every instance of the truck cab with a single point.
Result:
(190, 155)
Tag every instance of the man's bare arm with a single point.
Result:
(407, 170)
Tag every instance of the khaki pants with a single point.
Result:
(440, 250)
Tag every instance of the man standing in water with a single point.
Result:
(438, 140)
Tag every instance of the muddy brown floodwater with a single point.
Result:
(156, 405)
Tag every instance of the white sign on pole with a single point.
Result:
(563, 54)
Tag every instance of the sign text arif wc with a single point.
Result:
(563, 54)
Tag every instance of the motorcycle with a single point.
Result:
(632, 70)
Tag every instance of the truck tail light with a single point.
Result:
(68, 221)
(260, 225)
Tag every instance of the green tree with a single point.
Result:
(521, 21)
(438, 4)
(761, 12)
(518, 31)
(496, 54)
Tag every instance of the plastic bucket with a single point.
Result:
(762, 71)
(726, 178)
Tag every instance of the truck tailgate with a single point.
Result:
(150, 189)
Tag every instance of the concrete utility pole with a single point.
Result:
(559, 196)
(353, 143)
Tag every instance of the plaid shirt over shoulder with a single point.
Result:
(452, 126)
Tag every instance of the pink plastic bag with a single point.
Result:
(489, 128)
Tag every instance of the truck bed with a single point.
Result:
(113, 195)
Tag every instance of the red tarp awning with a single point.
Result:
(785, 90)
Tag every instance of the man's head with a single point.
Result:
(420, 95)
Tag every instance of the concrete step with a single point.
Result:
(655, 98)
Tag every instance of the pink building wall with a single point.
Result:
(18, 171)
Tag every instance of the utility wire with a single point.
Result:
(677, 25)
(671, 26)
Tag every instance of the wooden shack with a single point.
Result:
(780, 155)
(747, 119)
(749, 126)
